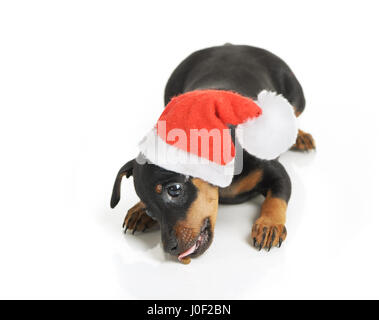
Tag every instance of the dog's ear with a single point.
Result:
(126, 170)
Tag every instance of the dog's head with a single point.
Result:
(186, 208)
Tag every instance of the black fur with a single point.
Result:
(126, 170)
(243, 69)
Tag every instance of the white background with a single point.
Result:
(81, 82)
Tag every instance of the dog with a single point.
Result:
(184, 207)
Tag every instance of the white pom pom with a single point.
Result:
(274, 132)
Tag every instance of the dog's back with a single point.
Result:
(239, 68)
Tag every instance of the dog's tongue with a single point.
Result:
(189, 251)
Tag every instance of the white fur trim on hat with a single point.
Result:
(272, 133)
(169, 157)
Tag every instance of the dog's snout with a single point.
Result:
(173, 249)
(170, 245)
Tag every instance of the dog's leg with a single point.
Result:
(137, 219)
(270, 179)
(304, 142)
(269, 230)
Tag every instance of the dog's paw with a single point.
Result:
(266, 235)
(304, 142)
(137, 219)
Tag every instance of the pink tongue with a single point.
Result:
(189, 251)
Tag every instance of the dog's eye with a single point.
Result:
(175, 189)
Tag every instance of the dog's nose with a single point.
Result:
(174, 249)
(170, 245)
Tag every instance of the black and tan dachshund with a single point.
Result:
(186, 208)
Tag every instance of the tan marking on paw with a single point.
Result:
(304, 142)
(269, 230)
(137, 219)
(267, 235)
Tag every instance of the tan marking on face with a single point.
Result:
(243, 185)
(158, 188)
(204, 206)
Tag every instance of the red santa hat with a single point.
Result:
(192, 135)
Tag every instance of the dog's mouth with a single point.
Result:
(200, 245)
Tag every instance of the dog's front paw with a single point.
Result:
(137, 219)
(266, 234)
